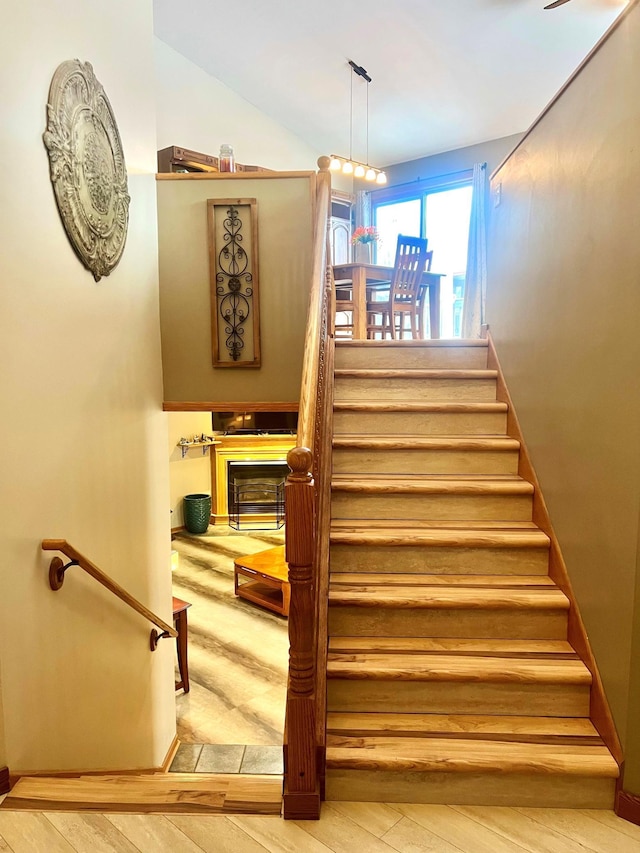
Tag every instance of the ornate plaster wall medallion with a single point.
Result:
(87, 166)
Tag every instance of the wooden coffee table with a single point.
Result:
(268, 579)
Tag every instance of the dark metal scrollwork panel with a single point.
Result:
(233, 258)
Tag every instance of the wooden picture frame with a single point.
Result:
(232, 227)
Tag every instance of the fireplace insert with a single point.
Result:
(256, 494)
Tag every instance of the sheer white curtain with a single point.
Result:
(363, 217)
(475, 287)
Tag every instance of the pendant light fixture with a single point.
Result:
(349, 166)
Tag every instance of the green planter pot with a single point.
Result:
(197, 513)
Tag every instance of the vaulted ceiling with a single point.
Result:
(445, 73)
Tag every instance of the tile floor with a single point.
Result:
(227, 758)
(238, 651)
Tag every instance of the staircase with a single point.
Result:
(449, 678)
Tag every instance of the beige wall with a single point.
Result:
(197, 111)
(563, 305)
(82, 435)
(191, 474)
(285, 241)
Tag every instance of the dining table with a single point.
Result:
(373, 277)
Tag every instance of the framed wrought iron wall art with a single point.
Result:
(233, 269)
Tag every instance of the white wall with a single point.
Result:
(197, 111)
(83, 437)
(191, 474)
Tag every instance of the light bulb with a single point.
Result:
(347, 167)
(359, 171)
(335, 165)
(371, 175)
(381, 179)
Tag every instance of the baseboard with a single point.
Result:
(177, 529)
(70, 774)
(5, 783)
(628, 807)
(173, 748)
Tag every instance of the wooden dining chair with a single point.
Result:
(344, 309)
(424, 293)
(388, 316)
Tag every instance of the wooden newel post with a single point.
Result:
(301, 791)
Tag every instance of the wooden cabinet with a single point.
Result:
(341, 226)
(175, 159)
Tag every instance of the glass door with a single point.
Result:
(441, 215)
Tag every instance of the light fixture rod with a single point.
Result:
(367, 123)
(351, 121)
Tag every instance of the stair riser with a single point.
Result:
(480, 789)
(522, 624)
(457, 697)
(440, 561)
(443, 507)
(452, 390)
(454, 358)
(419, 423)
(353, 461)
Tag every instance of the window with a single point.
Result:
(441, 213)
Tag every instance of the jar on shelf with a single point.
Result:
(227, 160)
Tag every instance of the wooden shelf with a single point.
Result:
(202, 444)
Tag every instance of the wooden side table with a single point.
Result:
(180, 622)
(268, 583)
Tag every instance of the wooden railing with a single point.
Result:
(57, 570)
(307, 495)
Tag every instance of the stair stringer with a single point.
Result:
(600, 711)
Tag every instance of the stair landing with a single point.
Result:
(167, 793)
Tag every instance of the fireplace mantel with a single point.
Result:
(241, 448)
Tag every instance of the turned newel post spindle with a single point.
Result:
(301, 795)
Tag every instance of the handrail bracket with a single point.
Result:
(155, 636)
(56, 572)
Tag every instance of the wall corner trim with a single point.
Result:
(5, 784)
(628, 806)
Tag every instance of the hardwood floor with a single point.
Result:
(342, 828)
(238, 652)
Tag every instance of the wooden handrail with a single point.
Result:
(306, 513)
(56, 579)
(310, 364)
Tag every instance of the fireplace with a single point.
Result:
(256, 493)
(247, 449)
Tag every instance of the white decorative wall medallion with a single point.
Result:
(87, 165)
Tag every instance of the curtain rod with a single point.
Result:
(433, 178)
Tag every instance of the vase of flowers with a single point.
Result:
(363, 239)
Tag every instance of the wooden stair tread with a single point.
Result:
(479, 726)
(417, 406)
(461, 534)
(356, 580)
(413, 373)
(418, 442)
(487, 647)
(435, 484)
(433, 597)
(419, 525)
(425, 344)
(453, 755)
(467, 668)
(186, 793)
